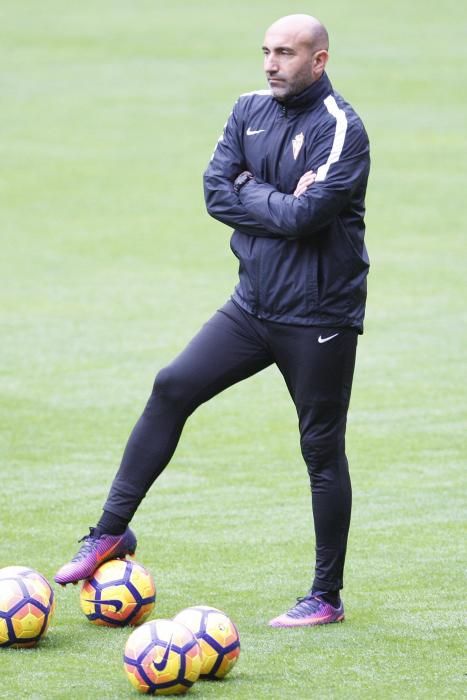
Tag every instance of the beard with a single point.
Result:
(285, 88)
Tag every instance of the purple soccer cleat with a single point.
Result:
(93, 553)
(309, 611)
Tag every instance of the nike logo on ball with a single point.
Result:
(117, 604)
(160, 665)
(252, 132)
(329, 337)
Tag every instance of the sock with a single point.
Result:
(110, 524)
(331, 597)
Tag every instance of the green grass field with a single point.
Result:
(109, 112)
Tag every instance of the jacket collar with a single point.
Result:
(309, 97)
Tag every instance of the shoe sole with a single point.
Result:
(312, 623)
(75, 583)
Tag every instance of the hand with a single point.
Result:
(306, 180)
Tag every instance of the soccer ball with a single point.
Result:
(162, 657)
(26, 606)
(217, 636)
(120, 592)
(31, 575)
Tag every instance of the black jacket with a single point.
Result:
(302, 259)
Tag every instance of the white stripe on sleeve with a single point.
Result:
(339, 137)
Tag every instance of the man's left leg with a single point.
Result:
(318, 365)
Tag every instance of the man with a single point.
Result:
(289, 174)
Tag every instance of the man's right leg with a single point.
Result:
(226, 350)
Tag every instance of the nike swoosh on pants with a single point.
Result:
(329, 337)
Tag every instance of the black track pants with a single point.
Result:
(317, 364)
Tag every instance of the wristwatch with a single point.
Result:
(241, 180)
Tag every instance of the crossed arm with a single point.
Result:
(259, 209)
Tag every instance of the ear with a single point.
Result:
(320, 58)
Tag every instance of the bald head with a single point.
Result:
(295, 54)
(304, 28)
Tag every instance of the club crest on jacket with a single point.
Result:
(297, 143)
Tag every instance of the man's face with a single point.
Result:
(288, 63)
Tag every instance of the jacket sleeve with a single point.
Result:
(341, 162)
(227, 161)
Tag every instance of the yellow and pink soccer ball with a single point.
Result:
(218, 638)
(162, 657)
(26, 606)
(120, 592)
